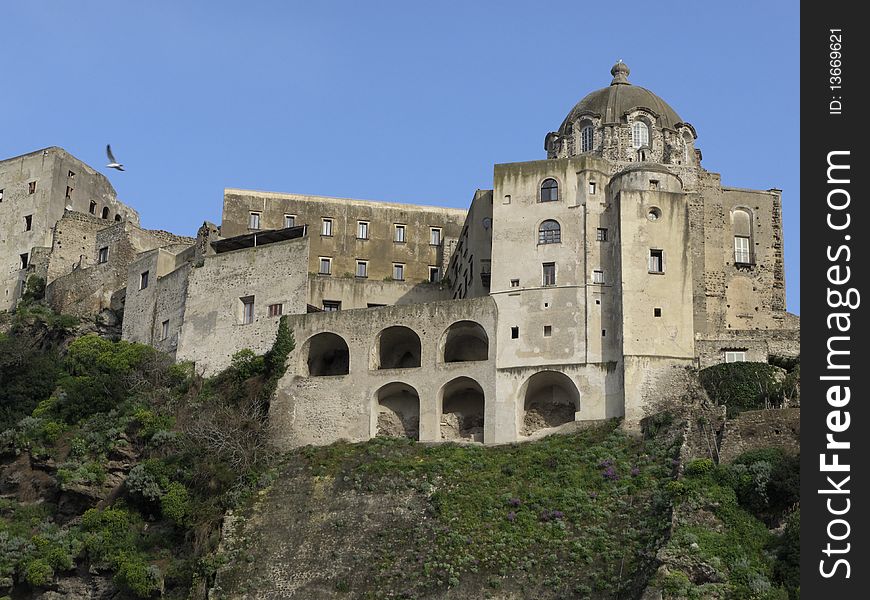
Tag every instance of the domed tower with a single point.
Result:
(625, 123)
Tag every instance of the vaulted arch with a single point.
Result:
(397, 411)
(326, 354)
(465, 341)
(550, 399)
(462, 404)
(396, 347)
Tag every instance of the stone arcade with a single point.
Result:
(578, 289)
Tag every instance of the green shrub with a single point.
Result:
(27, 376)
(767, 481)
(147, 481)
(175, 503)
(743, 386)
(700, 467)
(135, 574)
(38, 572)
(246, 364)
(34, 289)
(787, 567)
(108, 533)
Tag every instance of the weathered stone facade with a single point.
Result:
(580, 288)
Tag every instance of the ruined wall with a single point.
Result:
(324, 409)
(213, 328)
(354, 292)
(756, 429)
(758, 345)
(380, 249)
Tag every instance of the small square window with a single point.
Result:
(398, 271)
(515, 283)
(653, 184)
(25, 260)
(143, 280)
(164, 330)
(598, 302)
(326, 227)
(247, 310)
(515, 332)
(657, 312)
(31, 187)
(331, 305)
(735, 356)
(276, 310)
(362, 230)
(254, 221)
(289, 221)
(362, 268)
(325, 265)
(435, 236)
(591, 187)
(399, 234)
(548, 273)
(548, 330)
(598, 276)
(28, 222)
(103, 255)
(656, 261)
(601, 234)
(434, 274)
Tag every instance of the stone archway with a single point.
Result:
(397, 407)
(463, 405)
(465, 341)
(550, 399)
(397, 347)
(326, 354)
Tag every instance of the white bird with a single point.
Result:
(113, 164)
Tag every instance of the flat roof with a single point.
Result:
(257, 238)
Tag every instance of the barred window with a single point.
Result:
(549, 232)
(549, 190)
(586, 137)
(639, 134)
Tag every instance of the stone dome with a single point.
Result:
(620, 97)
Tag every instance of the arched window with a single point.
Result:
(741, 220)
(639, 134)
(549, 190)
(549, 232)
(105, 212)
(586, 137)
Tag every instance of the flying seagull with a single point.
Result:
(113, 164)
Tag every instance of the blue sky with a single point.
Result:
(396, 101)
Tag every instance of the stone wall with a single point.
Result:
(213, 328)
(755, 429)
(758, 345)
(355, 292)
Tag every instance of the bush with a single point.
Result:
(787, 567)
(743, 386)
(135, 574)
(175, 503)
(38, 572)
(147, 481)
(700, 467)
(768, 481)
(27, 375)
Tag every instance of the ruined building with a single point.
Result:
(579, 288)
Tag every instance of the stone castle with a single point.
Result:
(579, 288)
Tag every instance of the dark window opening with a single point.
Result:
(548, 330)
(25, 260)
(515, 333)
(105, 214)
(549, 190)
(31, 187)
(92, 208)
(103, 255)
(143, 280)
(549, 273)
(28, 222)
(657, 312)
(549, 232)
(331, 305)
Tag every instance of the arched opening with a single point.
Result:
(462, 409)
(465, 341)
(549, 232)
(398, 411)
(397, 348)
(550, 399)
(741, 220)
(327, 355)
(549, 190)
(105, 213)
(586, 138)
(117, 217)
(639, 134)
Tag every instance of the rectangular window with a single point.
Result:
(103, 255)
(434, 236)
(254, 221)
(399, 235)
(325, 265)
(591, 187)
(362, 230)
(92, 208)
(601, 235)
(741, 250)
(28, 222)
(164, 330)
(735, 356)
(656, 261)
(515, 283)
(549, 273)
(548, 330)
(247, 310)
(331, 305)
(326, 227)
(69, 192)
(143, 280)
(653, 184)
(372, 305)
(362, 268)
(289, 221)
(31, 187)
(598, 277)
(399, 271)
(657, 312)
(434, 274)
(1, 195)
(276, 310)
(515, 332)
(25, 260)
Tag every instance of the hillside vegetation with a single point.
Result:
(123, 475)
